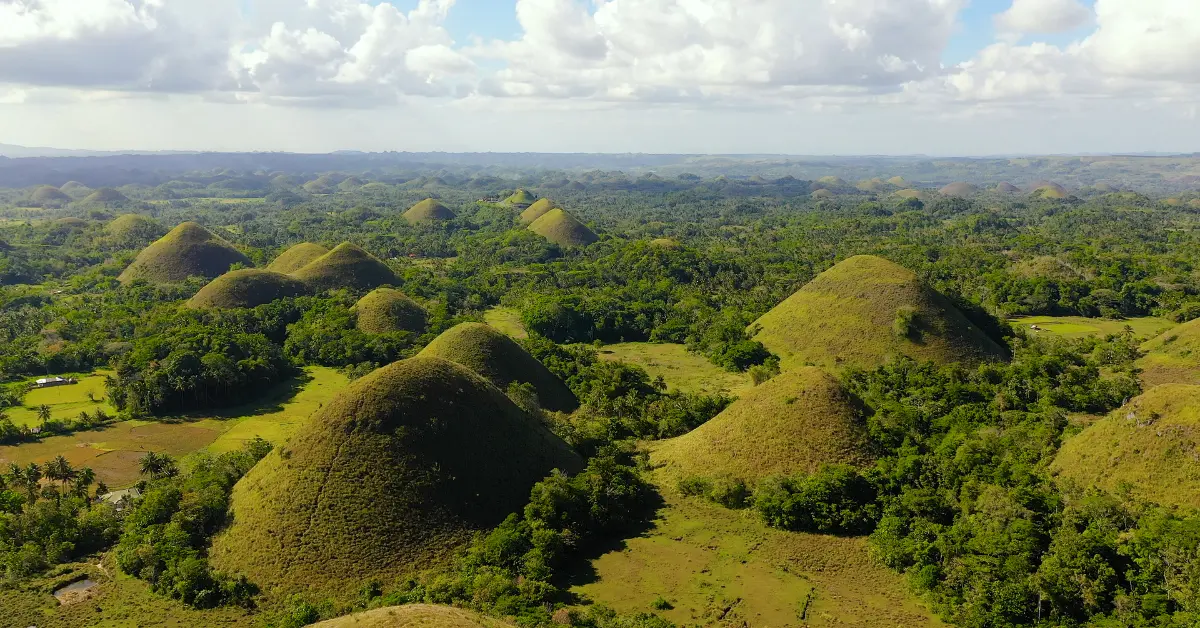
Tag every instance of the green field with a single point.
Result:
(507, 320)
(113, 451)
(681, 369)
(66, 402)
(1079, 326)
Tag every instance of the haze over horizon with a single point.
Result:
(794, 77)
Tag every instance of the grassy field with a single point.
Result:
(682, 369)
(722, 567)
(113, 451)
(507, 320)
(1079, 327)
(66, 402)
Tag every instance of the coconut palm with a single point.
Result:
(60, 470)
(43, 412)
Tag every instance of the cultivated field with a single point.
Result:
(1079, 327)
(680, 368)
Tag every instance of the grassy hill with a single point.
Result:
(1007, 188)
(909, 193)
(386, 310)
(520, 198)
(563, 229)
(70, 224)
(795, 422)
(346, 266)
(248, 287)
(105, 196)
(297, 257)
(414, 616)
(1048, 189)
(429, 210)
(186, 250)
(1046, 266)
(959, 188)
(853, 314)
(1173, 357)
(1149, 444)
(389, 478)
(538, 209)
(500, 360)
(75, 189)
(49, 195)
(134, 229)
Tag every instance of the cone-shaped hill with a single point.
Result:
(537, 210)
(795, 422)
(1150, 444)
(959, 188)
(429, 210)
(75, 188)
(1048, 189)
(49, 195)
(248, 287)
(106, 196)
(1007, 188)
(865, 310)
(134, 229)
(297, 257)
(346, 266)
(414, 616)
(1173, 357)
(386, 310)
(563, 229)
(390, 478)
(520, 198)
(500, 360)
(186, 250)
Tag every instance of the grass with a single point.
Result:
(563, 229)
(506, 320)
(414, 616)
(297, 257)
(346, 266)
(186, 250)
(66, 402)
(500, 360)
(1046, 266)
(49, 194)
(134, 229)
(520, 198)
(248, 287)
(1149, 445)
(681, 369)
(1079, 327)
(429, 210)
(386, 310)
(796, 422)
(959, 188)
(389, 478)
(538, 209)
(106, 195)
(113, 451)
(846, 316)
(1173, 357)
(724, 567)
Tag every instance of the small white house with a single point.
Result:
(47, 382)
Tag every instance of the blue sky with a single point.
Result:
(977, 30)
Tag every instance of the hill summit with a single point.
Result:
(429, 210)
(386, 310)
(245, 288)
(297, 257)
(134, 230)
(500, 360)
(346, 266)
(959, 188)
(520, 198)
(391, 477)
(865, 310)
(537, 210)
(105, 196)
(49, 195)
(563, 229)
(795, 422)
(187, 250)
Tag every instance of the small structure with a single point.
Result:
(47, 382)
(1035, 328)
(120, 499)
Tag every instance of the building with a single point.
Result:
(47, 382)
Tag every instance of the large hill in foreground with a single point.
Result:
(187, 250)
(1173, 357)
(248, 287)
(415, 616)
(866, 310)
(389, 478)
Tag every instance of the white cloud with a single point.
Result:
(1147, 39)
(1043, 16)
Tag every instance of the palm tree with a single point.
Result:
(86, 477)
(31, 476)
(59, 470)
(158, 466)
(43, 413)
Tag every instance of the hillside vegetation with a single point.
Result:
(429, 210)
(563, 229)
(385, 310)
(346, 266)
(187, 250)
(296, 257)
(1173, 357)
(248, 287)
(538, 209)
(134, 229)
(865, 311)
(414, 616)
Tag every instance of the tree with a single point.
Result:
(43, 413)
(60, 470)
(158, 466)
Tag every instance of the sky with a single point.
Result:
(809, 77)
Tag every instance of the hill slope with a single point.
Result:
(389, 478)
(563, 229)
(414, 616)
(500, 360)
(248, 287)
(297, 257)
(49, 195)
(795, 422)
(847, 316)
(520, 198)
(959, 188)
(346, 266)
(106, 195)
(1173, 357)
(1150, 443)
(134, 229)
(429, 210)
(186, 250)
(386, 310)
(537, 210)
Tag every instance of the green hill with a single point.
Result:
(185, 251)
(49, 195)
(563, 229)
(346, 266)
(500, 360)
(1149, 444)
(1173, 357)
(537, 210)
(520, 198)
(909, 193)
(105, 196)
(324, 184)
(414, 616)
(248, 287)
(822, 194)
(386, 310)
(1048, 189)
(795, 422)
(1046, 266)
(70, 224)
(391, 477)
(665, 243)
(75, 189)
(351, 184)
(898, 182)
(429, 210)
(134, 230)
(297, 257)
(865, 310)
(959, 188)
(1007, 188)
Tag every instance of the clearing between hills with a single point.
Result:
(507, 320)
(66, 402)
(1080, 327)
(681, 369)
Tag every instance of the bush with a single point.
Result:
(836, 499)
(905, 323)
